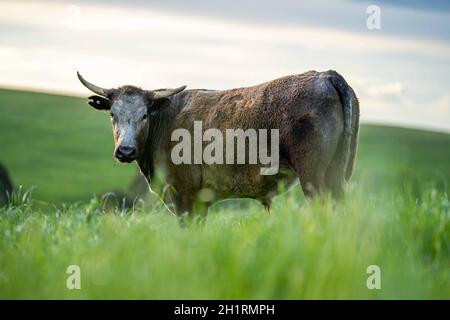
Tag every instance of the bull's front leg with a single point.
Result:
(189, 204)
(186, 182)
(184, 203)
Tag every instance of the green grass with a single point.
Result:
(396, 215)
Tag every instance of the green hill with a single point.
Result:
(64, 148)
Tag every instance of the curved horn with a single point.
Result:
(165, 93)
(92, 87)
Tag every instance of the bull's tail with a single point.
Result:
(342, 165)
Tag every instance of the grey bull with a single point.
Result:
(316, 115)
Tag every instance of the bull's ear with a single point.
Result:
(99, 103)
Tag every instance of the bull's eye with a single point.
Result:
(112, 115)
(144, 117)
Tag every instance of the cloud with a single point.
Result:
(387, 89)
(441, 105)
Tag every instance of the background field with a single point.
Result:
(396, 215)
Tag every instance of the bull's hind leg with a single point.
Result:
(310, 168)
(334, 177)
(310, 161)
(312, 182)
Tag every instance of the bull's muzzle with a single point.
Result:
(126, 153)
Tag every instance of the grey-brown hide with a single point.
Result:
(317, 114)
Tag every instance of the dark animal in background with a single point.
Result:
(317, 114)
(6, 186)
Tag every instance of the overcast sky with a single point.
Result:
(400, 73)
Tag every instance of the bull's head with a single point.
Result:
(130, 108)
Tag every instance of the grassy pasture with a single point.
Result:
(396, 215)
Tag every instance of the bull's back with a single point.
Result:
(270, 105)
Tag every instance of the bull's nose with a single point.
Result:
(126, 153)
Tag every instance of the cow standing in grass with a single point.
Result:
(316, 114)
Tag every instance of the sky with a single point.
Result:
(400, 72)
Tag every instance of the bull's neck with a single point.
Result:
(158, 140)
